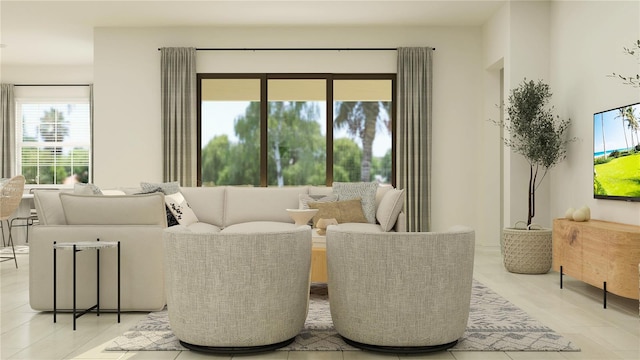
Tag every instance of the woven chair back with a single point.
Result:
(10, 196)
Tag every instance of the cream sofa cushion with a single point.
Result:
(147, 209)
(48, 207)
(245, 204)
(207, 203)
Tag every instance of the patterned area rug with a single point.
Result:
(494, 325)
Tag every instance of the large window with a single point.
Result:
(278, 130)
(53, 134)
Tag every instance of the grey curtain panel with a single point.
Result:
(179, 127)
(7, 130)
(91, 128)
(413, 142)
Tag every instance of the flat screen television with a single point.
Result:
(616, 153)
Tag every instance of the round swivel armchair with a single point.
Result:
(237, 293)
(400, 292)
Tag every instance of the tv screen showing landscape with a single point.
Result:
(616, 153)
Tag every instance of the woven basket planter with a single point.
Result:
(527, 251)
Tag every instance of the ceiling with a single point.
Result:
(61, 32)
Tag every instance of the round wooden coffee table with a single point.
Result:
(318, 258)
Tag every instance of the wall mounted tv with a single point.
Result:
(616, 153)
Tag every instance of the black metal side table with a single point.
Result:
(76, 247)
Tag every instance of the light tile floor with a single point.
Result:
(575, 312)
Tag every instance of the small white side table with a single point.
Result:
(76, 247)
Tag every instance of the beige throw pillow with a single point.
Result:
(389, 209)
(366, 191)
(304, 199)
(348, 211)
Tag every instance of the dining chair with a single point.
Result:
(10, 197)
(31, 218)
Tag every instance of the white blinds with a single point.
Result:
(53, 134)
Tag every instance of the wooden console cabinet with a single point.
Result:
(598, 252)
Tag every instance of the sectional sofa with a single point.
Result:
(137, 218)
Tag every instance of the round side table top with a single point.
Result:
(85, 245)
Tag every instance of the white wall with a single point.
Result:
(527, 57)
(127, 94)
(572, 45)
(34, 74)
(491, 186)
(587, 41)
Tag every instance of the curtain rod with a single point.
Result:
(51, 84)
(296, 49)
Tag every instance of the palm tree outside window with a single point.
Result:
(292, 129)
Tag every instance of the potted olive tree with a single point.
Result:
(535, 133)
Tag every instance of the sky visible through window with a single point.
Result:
(225, 112)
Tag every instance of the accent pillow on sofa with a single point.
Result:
(180, 209)
(305, 199)
(347, 211)
(366, 191)
(167, 188)
(86, 189)
(389, 209)
(171, 220)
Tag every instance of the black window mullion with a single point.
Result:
(200, 77)
(329, 136)
(264, 117)
(394, 136)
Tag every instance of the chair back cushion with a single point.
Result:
(10, 196)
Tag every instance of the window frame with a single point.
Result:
(264, 78)
(52, 99)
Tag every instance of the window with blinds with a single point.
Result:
(53, 134)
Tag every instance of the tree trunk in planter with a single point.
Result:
(527, 251)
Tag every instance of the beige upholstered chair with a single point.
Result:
(10, 197)
(237, 292)
(400, 292)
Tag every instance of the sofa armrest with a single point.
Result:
(142, 267)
